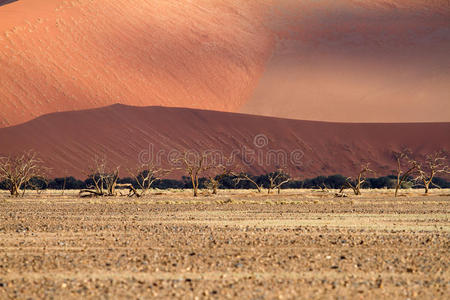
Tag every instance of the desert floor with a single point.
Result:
(300, 244)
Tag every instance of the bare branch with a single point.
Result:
(277, 179)
(356, 183)
(434, 164)
(145, 175)
(194, 165)
(104, 179)
(242, 176)
(17, 171)
(403, 160)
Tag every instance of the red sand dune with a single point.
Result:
(68, 141)
(66, 55)
(346, 60)
(358, 61)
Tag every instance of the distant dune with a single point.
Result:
(68, 141)
(357, 61)
(346, 60)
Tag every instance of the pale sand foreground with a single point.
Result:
(301, 243)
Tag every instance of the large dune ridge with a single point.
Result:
(69, 55)
(68, 142)
(350, 61)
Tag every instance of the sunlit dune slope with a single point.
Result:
(67, 55)
(69, 141)
(346, 60)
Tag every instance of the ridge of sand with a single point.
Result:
(350, 61)
(68, 141)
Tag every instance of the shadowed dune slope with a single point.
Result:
(68, 141)
(346, 60)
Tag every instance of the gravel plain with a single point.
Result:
(300, 244)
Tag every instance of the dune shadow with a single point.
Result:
(4, 2)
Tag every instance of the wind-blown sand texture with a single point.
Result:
(351, 61)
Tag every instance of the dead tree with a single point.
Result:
(64, 186)
(104, 179)
(145, 175)
(434, 164)
(17, 171)
(356, 183)
(131, 190)
(242, 176)
(37, 183)
(324, 188)
(214, 182)
(111, 182)
(194, 167)
(277, 179)
(403, 161)
(216, 177)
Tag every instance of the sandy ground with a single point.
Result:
(300, 244)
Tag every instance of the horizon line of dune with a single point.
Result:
(345, 61)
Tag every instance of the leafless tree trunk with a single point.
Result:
(145, 175)
(214, 179)
(355, 184)
(36, 185)
(111, 182)
(104, 180)
(434, 164)
(402, 176)
(132, 191)
(17, 171)
(64, 186)
(244, 176)
(194, 167)
(277, 179)
(214, 182)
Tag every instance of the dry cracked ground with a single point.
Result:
(300, 244)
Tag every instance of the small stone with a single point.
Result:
(379, 283)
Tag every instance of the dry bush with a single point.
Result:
(405, 167)
(356, 183)
(277, 179)
(18, 171)
(104, 179)
(195, 165)
(145, 175)
(241, 176)
(434, 164)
